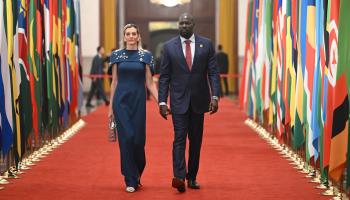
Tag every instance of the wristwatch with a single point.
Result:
(215, 98)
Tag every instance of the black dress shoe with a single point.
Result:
(193, 184)
(179, 184)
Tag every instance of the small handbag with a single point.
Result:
(112, 130)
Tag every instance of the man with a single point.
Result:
(222, 60)
(188, 63)
(96, 83)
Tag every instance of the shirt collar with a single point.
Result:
(184, 39)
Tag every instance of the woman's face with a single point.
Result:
(131, 37)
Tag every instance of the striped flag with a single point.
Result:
(73, 68)
(281, 30)
(298, 134)
(35, 72)
(244, 91)
(78, 54)
(316, 124)
(12, 61)
(273, 81)
(5, 89)
(308, 73)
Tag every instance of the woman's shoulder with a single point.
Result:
(145, 56)
(117, 56)
(144, 52)
(118, 52)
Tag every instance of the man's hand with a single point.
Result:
(213, 106)
(164, 111)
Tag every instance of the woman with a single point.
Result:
(131, 72)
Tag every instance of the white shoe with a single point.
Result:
(130, 189)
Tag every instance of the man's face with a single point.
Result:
(102, 51)
(186, 26)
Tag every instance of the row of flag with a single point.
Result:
(296, 77)
(40, 86)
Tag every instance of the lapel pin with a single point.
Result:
(201, 45)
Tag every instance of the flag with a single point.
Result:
(5, 88)
(316, 124)
(330, 71)
(298, 134)
(323, 48)
(273, 75)
(35, 77)
(78, 54)
(340, 126)
(25, 105)
(12, 62)
(72, 65)
(280, 66)
(308, 74)
(244, 91)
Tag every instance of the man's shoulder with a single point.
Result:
(199, 38)
(172, 40)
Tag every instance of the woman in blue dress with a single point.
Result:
(132, 73)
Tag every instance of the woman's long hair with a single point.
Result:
(123, 43)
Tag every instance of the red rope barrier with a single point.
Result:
(156, 75)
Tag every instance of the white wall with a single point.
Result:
(90, 26)
(90, 35)
(242, 16)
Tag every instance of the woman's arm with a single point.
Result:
(113, 86)
(151, 86)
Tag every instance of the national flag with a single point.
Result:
(6, 132)
(308, 73)
(12, 62)
(340, 126)
(35, 71)
(244, 91)
(25, 105)
(330, 72)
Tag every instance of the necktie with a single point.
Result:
(188, 54)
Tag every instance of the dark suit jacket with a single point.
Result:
(222, 60)
(188, 87)
(97, 65)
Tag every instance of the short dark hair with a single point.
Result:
(99, 48)
(220, 47)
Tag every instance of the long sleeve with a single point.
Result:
(213, 72)
(164, 78)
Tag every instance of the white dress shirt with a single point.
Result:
(192, 44)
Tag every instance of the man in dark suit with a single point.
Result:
(96, 83)
(188, 66)
(222, 60)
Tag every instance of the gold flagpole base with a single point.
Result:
(296, 160)
(3, 181)
(322, 186)
(9, 174)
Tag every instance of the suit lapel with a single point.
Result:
(197, 49)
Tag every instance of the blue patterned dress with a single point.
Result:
(129, 109)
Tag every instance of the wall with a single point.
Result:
(90, 35)
(242, 14)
